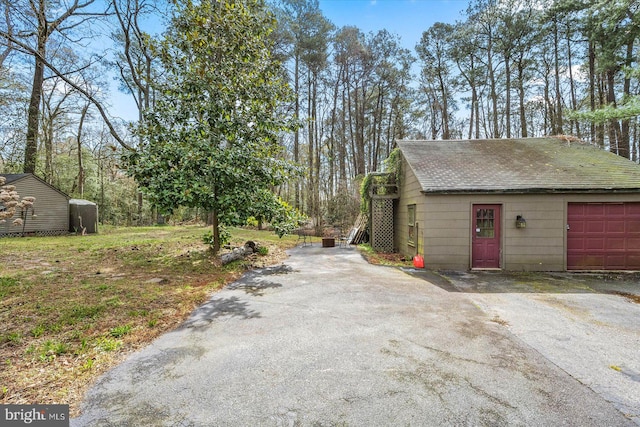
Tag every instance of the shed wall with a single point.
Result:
(83, 215)
(51, 208)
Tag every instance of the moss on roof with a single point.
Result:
(518, 165)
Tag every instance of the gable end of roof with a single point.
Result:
(11, 179)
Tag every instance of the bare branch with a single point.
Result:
(7, 17)
(67, 80)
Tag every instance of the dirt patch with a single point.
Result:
(382, 258)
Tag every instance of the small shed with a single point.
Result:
(83, 216)
(51, 207)
(533, 204)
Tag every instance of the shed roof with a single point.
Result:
(81, 202)
(529, 165)
(12, 178)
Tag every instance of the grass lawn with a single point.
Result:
(71, 307)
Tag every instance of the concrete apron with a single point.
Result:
(327, 339)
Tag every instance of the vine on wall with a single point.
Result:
(381, 182)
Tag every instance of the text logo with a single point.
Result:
(34, 415)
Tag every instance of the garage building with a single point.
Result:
(535, 204)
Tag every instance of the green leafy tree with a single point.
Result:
(212, 138)
(612, 30)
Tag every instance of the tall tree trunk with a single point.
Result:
(521, 100)
(390, 130)
(215, 223)
(477, 108)
(634, 145)
(352, 120)
(311, 185)
(625, 144)
(342, 146)
(597, 133)
(507, 111)
(360, 122)
(435, 109)
(317, 139)
(139, 198)
(600, 131)
(445, 109)
(558, 128)
(472, 117)
(313, 189)
(83, 115)
(47, 130)
(332, 140)
(574, 103)
(614, 124)
(494, 95)
(549, 110)
(376, 129)
(296, 135)
(33, 115)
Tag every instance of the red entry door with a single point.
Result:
(486, 236)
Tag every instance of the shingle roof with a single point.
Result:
(527, 165)
(11, 177)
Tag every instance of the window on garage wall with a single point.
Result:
(411, 209)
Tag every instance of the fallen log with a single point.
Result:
(239, 253)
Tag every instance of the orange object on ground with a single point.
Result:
(418, 261)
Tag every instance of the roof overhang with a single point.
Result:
(532, 191)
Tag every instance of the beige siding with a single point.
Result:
(445, 227)
(409, 195)
(541, 245)
(447, 234)
(51, 208)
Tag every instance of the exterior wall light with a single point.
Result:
(521, 222)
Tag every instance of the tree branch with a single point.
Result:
(68, 81)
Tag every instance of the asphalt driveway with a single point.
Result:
(587, 324)
(327, 339)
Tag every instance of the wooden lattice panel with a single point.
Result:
(382, 225)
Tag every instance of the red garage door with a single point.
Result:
(603, 236)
